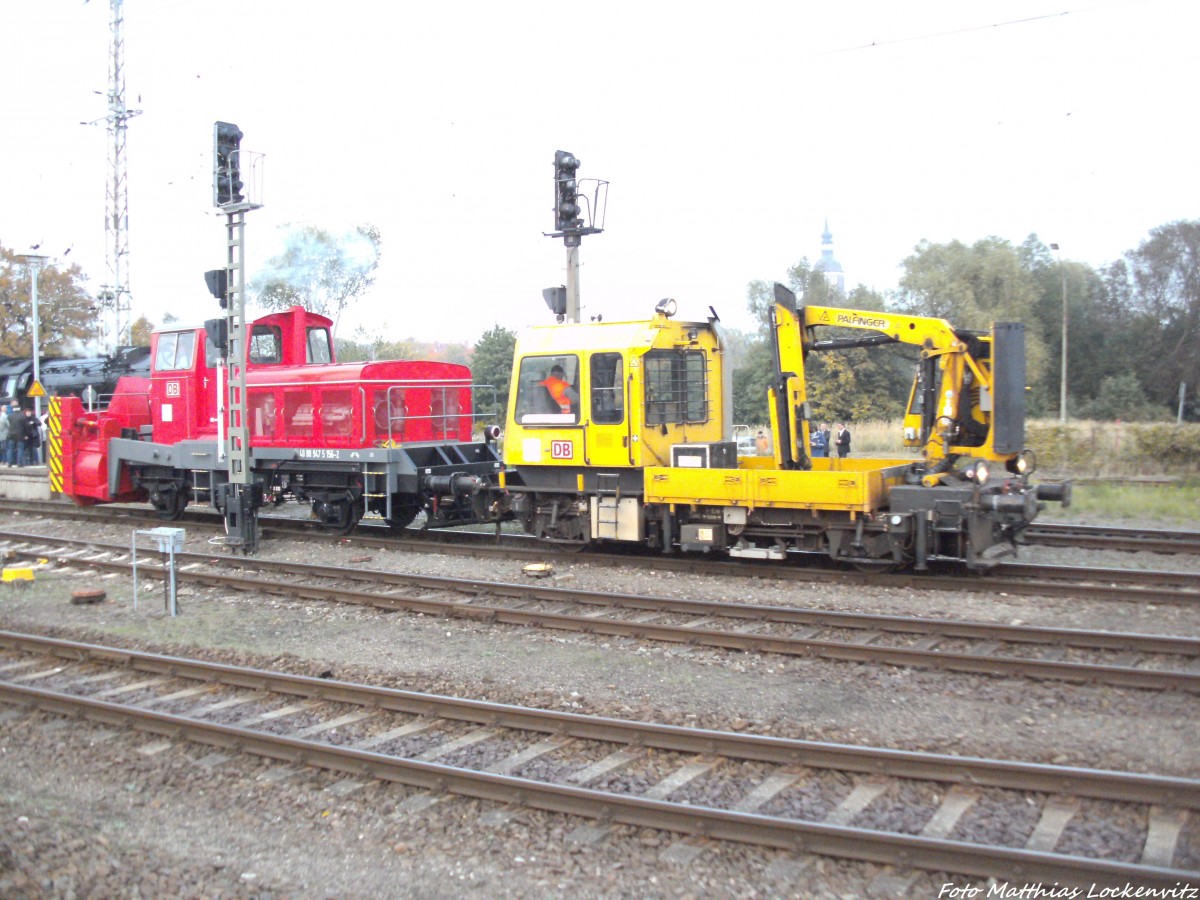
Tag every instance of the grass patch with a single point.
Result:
(1172, 504)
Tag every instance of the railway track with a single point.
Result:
(1107, 537)
(1153, 662)
(925, 810)
(1049, 534)
(1022, 579)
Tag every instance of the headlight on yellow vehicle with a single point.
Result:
(977, 472)
(1024, 463)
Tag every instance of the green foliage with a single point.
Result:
(459, 354)
(1159, 285)
(491, 364)
(139, 332)
(364, 347)
(1133, 328)
(843, 385)
(750, 382)
(65, 310)
(760, 297)
(320, 271)
(972, 287)
(1173, 446)
(1088, 448)
(858, 384)
(1122, 397)
(809, 286)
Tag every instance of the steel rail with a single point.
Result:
(761, 613)
(792, 834)
(973, 663)
(1085, 577)
(1058, 534)
(1105, 784)
(1111, 537)
(1142, 586)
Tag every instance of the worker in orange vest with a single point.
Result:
(560, 389)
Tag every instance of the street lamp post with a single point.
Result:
(36, 263)
(1062, 400)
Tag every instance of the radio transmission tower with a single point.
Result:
(114, 298)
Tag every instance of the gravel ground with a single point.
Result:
(87, 812)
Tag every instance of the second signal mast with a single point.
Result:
(571, 222)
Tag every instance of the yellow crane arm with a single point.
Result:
(957, 388)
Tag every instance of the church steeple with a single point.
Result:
(827, 264)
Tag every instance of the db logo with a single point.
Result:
(172, 388)
(561, 449)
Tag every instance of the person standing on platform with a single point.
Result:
(820, 444)
(33, 439)
(16, 437)
(43, 423)
(842, 441)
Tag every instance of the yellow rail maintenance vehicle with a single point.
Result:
(622, 432)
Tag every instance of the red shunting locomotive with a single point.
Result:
(392, 438)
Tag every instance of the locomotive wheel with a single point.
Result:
(403, 515)
(339, 517)
(171, 505)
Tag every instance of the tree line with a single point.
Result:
(1133, 324)
(1133, 328)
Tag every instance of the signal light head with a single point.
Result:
(227, 181)
(566, 197)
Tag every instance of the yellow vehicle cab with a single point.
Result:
(593, 404)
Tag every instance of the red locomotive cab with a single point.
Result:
(182, 386)
(294, 337)
(183, 390)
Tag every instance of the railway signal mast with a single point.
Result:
(114, 296)
(570, 225)
(240, 499)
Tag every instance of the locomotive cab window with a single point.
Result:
(317, 351)
(548, 390)
(676, 387)
(266, 345)
(176, 349)
(608, 389)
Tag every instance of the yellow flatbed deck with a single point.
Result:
(858, 485)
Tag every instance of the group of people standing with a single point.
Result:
(22, 436)
(823, 440)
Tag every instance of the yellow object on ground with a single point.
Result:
(21, 573)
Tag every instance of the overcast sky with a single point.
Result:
(729, 132)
